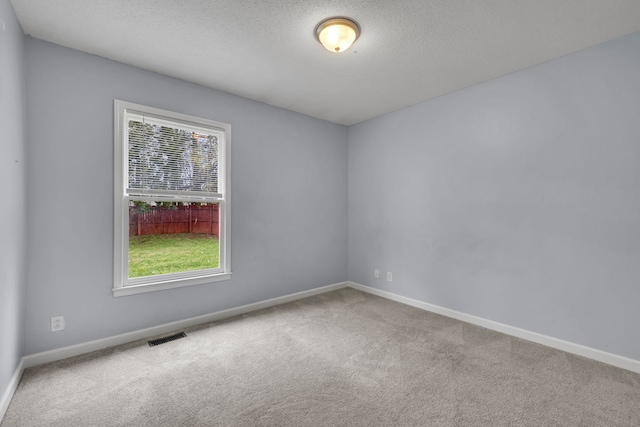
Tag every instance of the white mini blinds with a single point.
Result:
(169, 157)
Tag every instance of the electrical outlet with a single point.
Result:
(389, 277)
(376, 273)
(57, 323)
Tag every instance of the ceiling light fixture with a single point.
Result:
(337, 34)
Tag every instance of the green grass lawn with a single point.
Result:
(171, 253)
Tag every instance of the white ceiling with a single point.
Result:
(409, 50)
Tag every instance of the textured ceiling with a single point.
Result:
(409, 50)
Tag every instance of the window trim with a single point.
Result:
(122, 284)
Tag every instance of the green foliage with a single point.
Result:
(167, 205)
(155, 254)
(139, 207)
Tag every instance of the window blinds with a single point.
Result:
(171, 158)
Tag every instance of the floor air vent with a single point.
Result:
(159, 341)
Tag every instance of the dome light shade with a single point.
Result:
(337, 34)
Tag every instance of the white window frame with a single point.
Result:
(123, 285)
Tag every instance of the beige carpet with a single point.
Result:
(342, 358)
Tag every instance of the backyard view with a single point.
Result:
(172, 237)
(171, 253)
(174, 209)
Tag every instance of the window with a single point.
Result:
(171, 214)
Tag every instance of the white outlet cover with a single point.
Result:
(376, 273)
(57, 323)
(389, 276)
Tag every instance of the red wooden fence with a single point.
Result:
(194, 218)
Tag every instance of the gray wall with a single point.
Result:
(288, 197)
(517, 200)
(13, 179)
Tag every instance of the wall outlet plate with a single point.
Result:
(376, 273)
(57, 323)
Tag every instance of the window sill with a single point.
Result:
(169, 284)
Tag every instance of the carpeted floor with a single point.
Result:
(342, 358)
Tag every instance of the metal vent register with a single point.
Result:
(159, 341)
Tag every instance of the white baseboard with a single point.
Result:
(87, 347)
(578, 349)
(11, 389)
